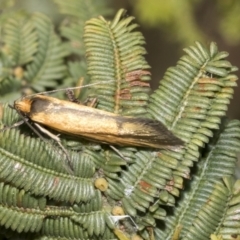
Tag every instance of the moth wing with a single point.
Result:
(148, 131)
(140, 132)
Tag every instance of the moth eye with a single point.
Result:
(23, 106)
(16, 105)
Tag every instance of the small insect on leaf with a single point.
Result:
(97, 125)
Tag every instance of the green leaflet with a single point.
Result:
(44, 182)
(12, 54)
(230, 222)
(83, 10)
(60, 221)
(20, 39)
(108, 161)
(81, 235)
(192, 98)
(220, 219)
(142, 187)
(8, 233)
(8, 116)
(114, 54)
(48, 155)
(14, 197)
(79, 11)
(17, 219)
(65, 227)
(48, 174)
(217, 163)
(143, 180)
(32, 55)
(95, 204)
(48, 65)
(94, 222)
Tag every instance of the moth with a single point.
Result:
(81, 121)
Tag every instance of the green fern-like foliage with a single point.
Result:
(217, 162)
(32, 55)
(78, 12)
(72, 29)
(150, 194)
(124, 75)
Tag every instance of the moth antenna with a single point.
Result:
(64, 89)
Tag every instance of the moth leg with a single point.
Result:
(118, 152)
(17, 124)
(57, 139)
(71, 97)
(90, 102)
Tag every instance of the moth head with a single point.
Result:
(23, 105)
